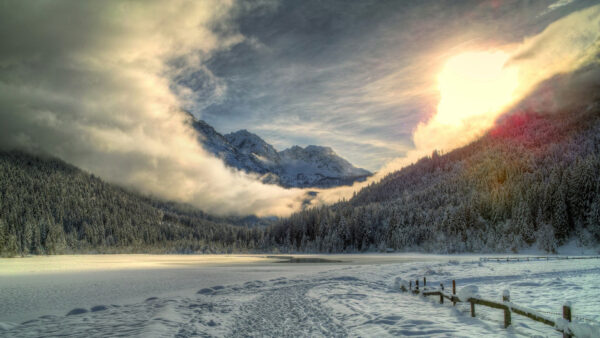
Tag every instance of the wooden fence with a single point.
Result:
(533, 258)
(505, 305)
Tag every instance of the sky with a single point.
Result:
(354, 75)
(103, 85)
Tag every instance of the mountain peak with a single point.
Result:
(312, 166)
(252, 144)
(320, 150)
(245, 136)
(243, 132)
(323, 159)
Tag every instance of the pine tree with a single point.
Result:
(546, 238)
(3, 237)
(560, 216)
(593, 219)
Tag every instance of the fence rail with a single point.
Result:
(533, 258)
(562, 325)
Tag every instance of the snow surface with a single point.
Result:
(253, 296)
(468, 291)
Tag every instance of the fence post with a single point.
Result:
(453, 292)
(417, 284)
(567, 317)
(505, 299)
(410, 285)
(472, 309)
(424, 282)
(442, 293)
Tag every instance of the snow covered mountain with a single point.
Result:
(217, 144)
(318, 164)
(313, 166)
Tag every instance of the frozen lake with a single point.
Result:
(35, 286)
(257, 295)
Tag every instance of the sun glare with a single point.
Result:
(475, 84)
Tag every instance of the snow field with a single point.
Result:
(298, 300)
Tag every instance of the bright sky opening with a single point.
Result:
(473, 84)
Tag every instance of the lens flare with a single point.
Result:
(474, 84)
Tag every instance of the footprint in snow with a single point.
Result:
(98, 308)
(76, 311)
(346, 279)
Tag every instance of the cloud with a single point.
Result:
(556, 5)
(564, 46)
(92, 83)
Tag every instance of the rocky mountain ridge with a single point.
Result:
(311, 166)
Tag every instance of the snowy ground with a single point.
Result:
(256, 297)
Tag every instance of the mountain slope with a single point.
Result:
(313, 166)
(48, 206)
(532, 180)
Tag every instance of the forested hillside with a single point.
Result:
(48, 206)
(532, 180)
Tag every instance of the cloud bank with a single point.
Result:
(91, 83)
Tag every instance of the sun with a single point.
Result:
(475, 84)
